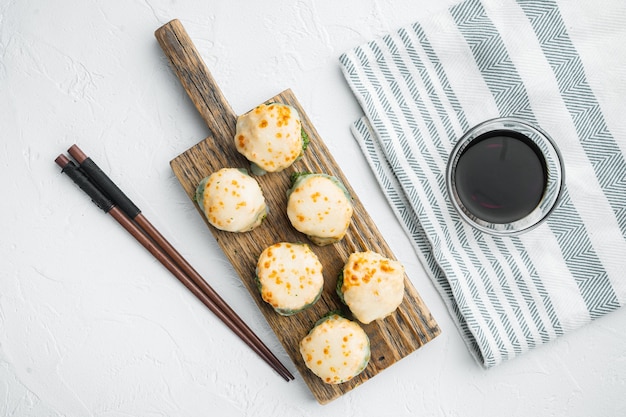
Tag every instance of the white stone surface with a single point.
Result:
(92, 325)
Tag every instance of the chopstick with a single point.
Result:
(108, 197)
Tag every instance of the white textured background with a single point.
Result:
(91, 325)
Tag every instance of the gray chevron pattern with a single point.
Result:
(495, 287)
(600, 146)
(512, 98)
(391, 187)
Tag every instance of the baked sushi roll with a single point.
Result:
(371, 285)
(270, 136)
(336, 349)
(231, 200)
(289, 277)
(319, 206)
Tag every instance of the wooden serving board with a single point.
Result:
(393, 338)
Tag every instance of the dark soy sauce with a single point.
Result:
(501, 177)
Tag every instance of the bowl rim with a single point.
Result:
(555, 175)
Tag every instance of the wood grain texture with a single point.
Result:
(393, 338)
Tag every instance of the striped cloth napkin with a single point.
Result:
(557, 65)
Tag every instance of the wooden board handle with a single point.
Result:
(195, 77)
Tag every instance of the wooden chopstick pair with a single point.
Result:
(108, 197)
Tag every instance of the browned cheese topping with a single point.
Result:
(373, 286)
(270, 136)
(320, 209)
(336, 350)
(290, 276)
(233, 201)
